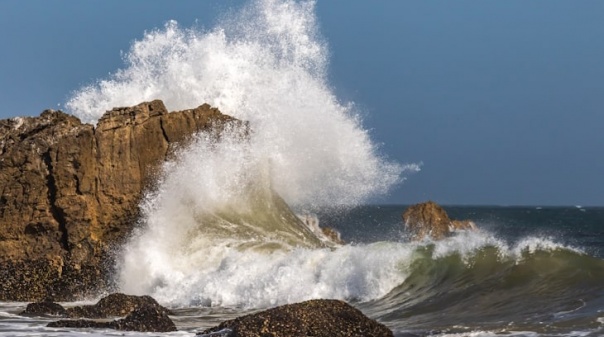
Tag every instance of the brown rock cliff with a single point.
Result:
(70, 192)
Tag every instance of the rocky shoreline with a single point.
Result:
(70, 192)
(319, 318)
(70, 197)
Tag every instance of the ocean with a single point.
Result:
(527, 271)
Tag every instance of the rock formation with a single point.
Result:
(144, 319)
(333, 235)
(70, 192)
(318, 318)
(45, 308)
(113, 305)
(142, 313)
(428, 219)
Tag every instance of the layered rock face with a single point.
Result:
(70, 192)
(428, 219)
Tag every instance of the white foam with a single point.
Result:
(228, 277)
(467, 242)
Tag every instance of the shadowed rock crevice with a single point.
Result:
(57, 212)
(163, 131)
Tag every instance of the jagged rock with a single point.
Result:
(70, 192)
(144, 319)
(428, 219)
(328, 235)
(115, 305)
(333, 235)
(45, 308)
(317, 318)
(142, 313)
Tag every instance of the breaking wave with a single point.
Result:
(222, 210)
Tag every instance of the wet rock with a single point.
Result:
(44, 309)
(317, 318)
(115, 305)
(428, 219)
(333, 235)
(70, 192)
(328, 235)
(144, 319)
(143, 313)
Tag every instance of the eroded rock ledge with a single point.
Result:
(70, 192)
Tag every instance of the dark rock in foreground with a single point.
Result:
(113, 305)
(317, 318)
(428, 219)
(144, 319)
(70, 192)
(142, 313)
(44, 309)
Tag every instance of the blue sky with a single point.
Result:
(502, 101)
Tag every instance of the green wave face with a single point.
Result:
(261, 220)
(533, 289)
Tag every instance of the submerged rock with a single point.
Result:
(317, 318)
(428, 219)
(70, 192)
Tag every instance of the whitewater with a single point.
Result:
(266, 64)
(233, 224)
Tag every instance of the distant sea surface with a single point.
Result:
(528, 271)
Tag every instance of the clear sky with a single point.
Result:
(502, 101)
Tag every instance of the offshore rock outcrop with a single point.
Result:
(70, 192)
(318, 318)
(428, 219)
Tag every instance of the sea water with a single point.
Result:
(526, 272)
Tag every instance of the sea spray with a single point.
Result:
(267, 65)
